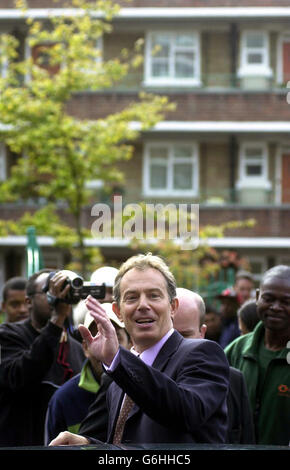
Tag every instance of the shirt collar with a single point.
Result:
(148, 356)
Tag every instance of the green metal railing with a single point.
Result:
(34, 260)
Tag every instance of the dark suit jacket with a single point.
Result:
(95, 424)
(240, 426)
(180, 399)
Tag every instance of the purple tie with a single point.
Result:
(125, 410)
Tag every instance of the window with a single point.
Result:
(255, 53)
(170, 170)
(172, 58)
(3, 67)
(97, 55)
(3, 170)
(253, 165)
(3, 58)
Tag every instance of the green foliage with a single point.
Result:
(201, 267)
(46, 222)
(59, 152)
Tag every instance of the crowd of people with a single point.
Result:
(150, 362)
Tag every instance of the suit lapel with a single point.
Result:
(167, 350)
(162, 359)
(159, 363)
(116, 398)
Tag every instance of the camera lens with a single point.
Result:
(77, 282)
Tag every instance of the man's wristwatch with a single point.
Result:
(52, 300)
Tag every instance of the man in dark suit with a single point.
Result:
(189, 321)
(178, 386)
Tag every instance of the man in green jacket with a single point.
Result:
(263, 357)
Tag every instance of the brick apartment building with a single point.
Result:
(226, 147)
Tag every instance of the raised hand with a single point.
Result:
(59, 289)
(104, 346)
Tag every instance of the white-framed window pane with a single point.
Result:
(182, 176)
(173, 56)
(3, 169)
(254, 162)
(3, 66)
(254, 170)
(158, 176)
(159, 152)
(255, 48)
(171, 169)
(160, 68)
(254, 58)
(255, 40)
(185, 40)
(254, 152)
(184, 64)
(160, 46)
(182, 151)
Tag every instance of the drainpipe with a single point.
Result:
(234, 53)
(232, 165)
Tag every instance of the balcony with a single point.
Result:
(134, 82)
(251, 197)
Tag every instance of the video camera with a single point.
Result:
(79, 289)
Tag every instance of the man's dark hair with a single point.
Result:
(14, 283)
(248, 314)
(30, 287)
(211, 309)
(281, 271)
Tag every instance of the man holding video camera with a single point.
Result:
(37, 356)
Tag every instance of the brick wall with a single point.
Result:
(195, 106)
(214, 171)
(132, 172)
(215, 58)
(270, 222)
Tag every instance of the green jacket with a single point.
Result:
(271, 411)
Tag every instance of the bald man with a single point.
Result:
(188, 319)
(190, 316)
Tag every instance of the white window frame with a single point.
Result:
(4, 67)
(169, 191)
(100, 46)
(3, 162)
(262, 69)
(246, 181)
(4, 64)
(149, 80)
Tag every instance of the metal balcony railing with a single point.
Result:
(208, 197)
(134, 81)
